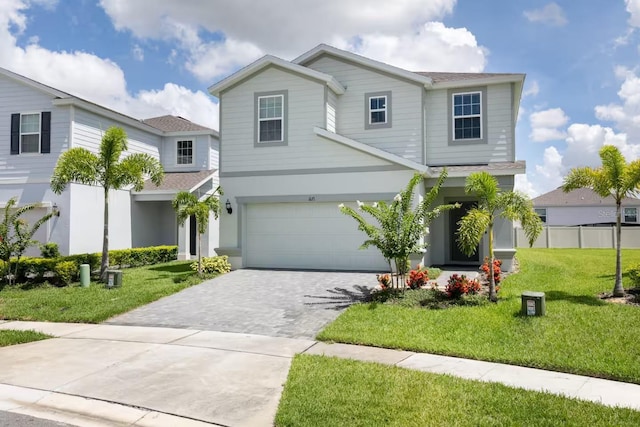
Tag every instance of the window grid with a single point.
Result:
(630, 215)
(185, 152)
(542, 213)
(377, 110)
(270, 118)
(467, 115)
(30, 133)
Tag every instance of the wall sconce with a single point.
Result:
(228, 206)
(55, 209)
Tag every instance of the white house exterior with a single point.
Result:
(300, 137)
(38, 123)
(583, 207)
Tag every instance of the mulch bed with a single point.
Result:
(632, 297)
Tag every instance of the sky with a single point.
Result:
(148, 58)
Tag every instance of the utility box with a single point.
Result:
(85, 275)
(114, 278)
(533, 304)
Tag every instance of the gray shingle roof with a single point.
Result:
(496, 166)
(579, 197)
(174, 124)
(178, 181)
(439, 77)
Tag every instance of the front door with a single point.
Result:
(193, 235)
(457, 256)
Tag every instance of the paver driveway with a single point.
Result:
(279, 303)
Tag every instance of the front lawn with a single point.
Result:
(322, 391)
(580, 333)
(20, 337)
(96, 303)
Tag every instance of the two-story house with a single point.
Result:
(300, 137)
(38, 123)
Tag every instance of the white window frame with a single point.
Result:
(377, 110)
(39, 133)
(178, 148)
(624, 212)
(270, 119)
(465, 116)
(541, 215)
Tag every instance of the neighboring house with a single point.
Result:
(583, 207)
(299, 137)
(38, 123)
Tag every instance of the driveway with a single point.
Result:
(279, 303)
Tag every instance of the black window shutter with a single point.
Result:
(45, 132)
(15, 133)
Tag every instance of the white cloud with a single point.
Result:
(633, 7)
(552, 170)
(220, 38)
(433, 47)
(532, 90)
(551, 14)
(93, 78)
(137, 52)
(625, 114)
(525, 186)
(545, 125)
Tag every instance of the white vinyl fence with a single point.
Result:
(580, 237)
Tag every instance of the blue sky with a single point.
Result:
(153, 57)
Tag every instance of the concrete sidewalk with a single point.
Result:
(124, 375)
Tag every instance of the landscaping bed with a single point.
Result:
(580, 333)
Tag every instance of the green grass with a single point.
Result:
(580, 333)
(20, 337)
(96, 303)
(323, 391)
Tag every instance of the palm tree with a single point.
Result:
(615, 178)
(187, 204)
(79, 165)
(493, 203)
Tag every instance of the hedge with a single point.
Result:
(59, 270)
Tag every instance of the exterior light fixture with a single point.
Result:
(228, 206)
(55, 209)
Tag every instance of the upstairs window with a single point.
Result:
(630, 215)
(467, 115)
(185, 152)
(271, 118)
(31, 133)
(377, 110)
(542, 213)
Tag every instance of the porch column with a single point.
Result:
(184, 252)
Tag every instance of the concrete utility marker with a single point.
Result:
(94, 375)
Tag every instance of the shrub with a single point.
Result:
(634, 275)
(497, 271)
(216, 264)
(66, 272)
(417, 279)
(49, 250)
(457, 286)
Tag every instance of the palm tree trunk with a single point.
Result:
(618, 290)
(104, 264)
(493, 296)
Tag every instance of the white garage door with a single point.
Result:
(307, 235)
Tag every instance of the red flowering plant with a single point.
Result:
(384, 280)
(497, 271)
(417, 278)
(459, 285)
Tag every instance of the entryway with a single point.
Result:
(456, 256)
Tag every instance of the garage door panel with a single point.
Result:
(306, 235)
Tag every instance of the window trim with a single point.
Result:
(388, 109)
(39, 133)
(256, 118)
(544, 221)
(483, 115)
(624, 214)
(178, 141)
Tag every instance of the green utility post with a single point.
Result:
(85, 275)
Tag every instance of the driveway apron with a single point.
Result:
(281, 303)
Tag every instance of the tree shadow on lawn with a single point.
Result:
(174, 268)
(576, 299)
(341, 298)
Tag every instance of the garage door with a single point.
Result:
(307, 235)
